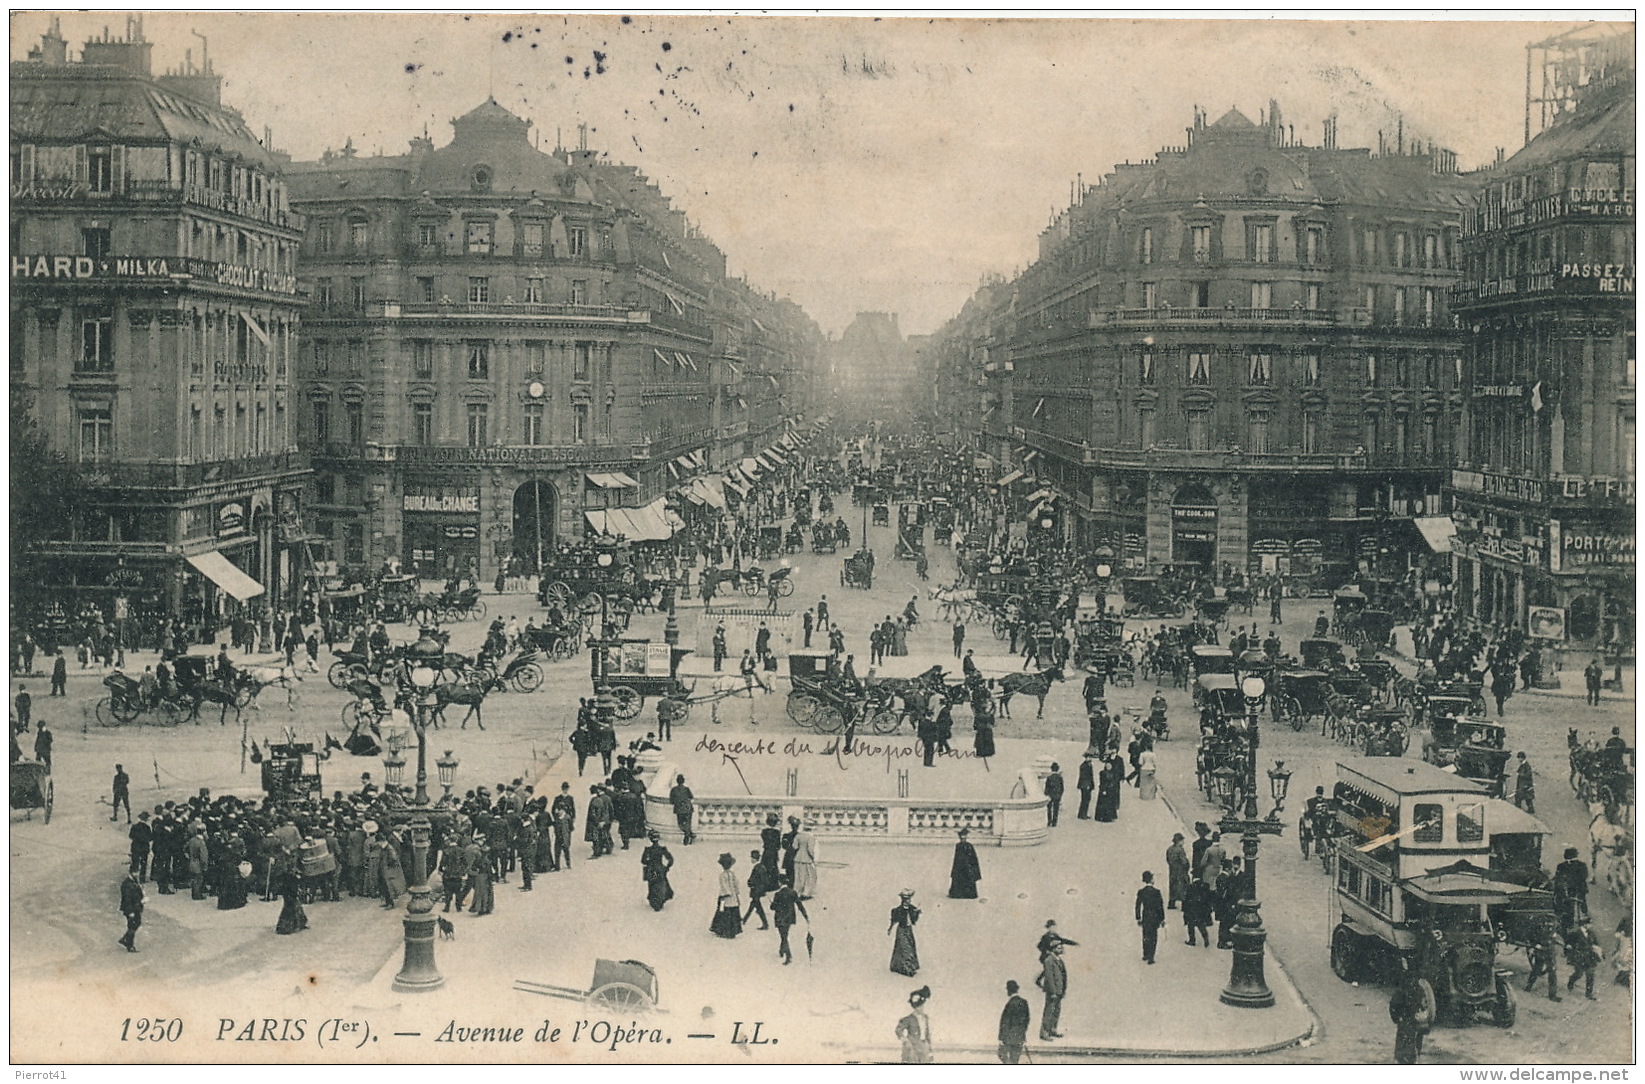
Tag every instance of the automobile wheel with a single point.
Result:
(1345, 955)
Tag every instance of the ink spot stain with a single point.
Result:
(313, 980)
(508, 36)
(791, 107)
(627, 19)
(667, 46)
(412, 68)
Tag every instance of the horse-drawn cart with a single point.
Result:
(31, 787)
(636, 669)
(619, 986)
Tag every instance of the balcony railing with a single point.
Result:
(105, 474)
(392, 309)
(1349, 317)
(199, 196)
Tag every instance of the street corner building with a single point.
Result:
(510, 346)
(154, 322)
(1239, 354)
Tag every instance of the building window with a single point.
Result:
(322, 294)
(577, 240)
(1310, 297)
(100, 169)
(479, 361)
(579, 291)
(428, 235)
(1310, 369)
(422, 424)
(96, 345)
(1368, 248)
(356, 357)
(1371, 302)
(1150, 295)
(1145, 367)
(357, 230)
(533, 423)
(1145, 246)
(1199, 295)
(532, 245)
(1199, 238)
(479, 419)
(1198, 431)
(354, 418)
(606, 418)
(425, 289)
(1310, 434)
(534, 291)
(322, 237)
(1430, 251)
(1399, 305)
(478, 238)
(1261, 369)
(479, 291)
(579, 418)
(1402, 250)
(357, 294)
(582, 360)
(1261, 242)
(1259, 434)
(1430, 429)
(322, 357)
(95, 241)
(1430, 306)
(536, 357)
(422, 359)
(322, 421)
(1262, 295)
(1372, 375)
(1373, 433)
(1402, 433)
(1199, 368)
(96, 433)
(1402, 368)
(1146, 428)
(1313, 245)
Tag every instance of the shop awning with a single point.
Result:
(222, 572)
(700, 457)
(1040, 495)
(1436, 531)
(686, 359)
(646, 524)
(1009, 478)
(740, 487)
(752, 468)
(775, 454)
(684, 461)
(616, 480)
(712, 491)
(662, 357)
(764, 462)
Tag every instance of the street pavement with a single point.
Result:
(840, 1004)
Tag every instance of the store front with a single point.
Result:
(440, 525)
(1194, 527)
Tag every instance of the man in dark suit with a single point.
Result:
(1053, 795)
(142, 843)
(1054, 981)
(1150, 915)
(1013, 1025)
(131, 905)
(1087, 784)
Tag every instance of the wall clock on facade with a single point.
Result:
(535, 389)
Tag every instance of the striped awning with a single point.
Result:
(616, 480)
(1009, 478)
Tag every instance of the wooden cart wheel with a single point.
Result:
(802, 708)
(105, 712)
(886, 722)
(620, 997)
(591, 603)
(564, 648)
(1345, 954)
(51, 795)
(558, 594)
(528, 678)
(170, 712)
(475, 612)
(829, 720)
(628, 701)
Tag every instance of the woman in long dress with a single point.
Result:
(655, 862)
(1108, 790)
(966, 871)
(231, 883)
(915, 1029)
(905, 955)
(728, 913)
(1147, 774)
(293, 918)
(982, 723)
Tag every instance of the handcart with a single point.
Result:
(619, 986)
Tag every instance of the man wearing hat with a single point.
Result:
(1013, 1025)
(1053, 795)
(1053, 980)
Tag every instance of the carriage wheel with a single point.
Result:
(785, 587)
(51, 794)
(1345, 954)
(558, 594)
(105, 712)
(169, 713)
(628, 701)
(802, 708)
(563, 649)
(244, 695)
(425, 614)
(337, 674)
(476, 612)
(590, 604)
(527, 679)
(351, 714)
(620, 997)
(751, 587)
(1290, 709)
(829, 720)
(682, 709)
(1001, 628)
(885, 722)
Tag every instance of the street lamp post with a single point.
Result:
(1247, 984)
(418, 972)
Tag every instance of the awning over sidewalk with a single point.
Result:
(616, 480)
(1436, 531)
(1009, 478)
(222, 572)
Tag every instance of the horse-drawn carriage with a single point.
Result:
(858, 570)
(1476, 748)
(942, 522)
(1146, 596)
(291, 773)
(1298, 697)
(636, 669)
(397, 598)
(1367, 629)
(882, 515)
(1213, 608)
(820, 699)
(581, 577)
(1321, 654)
(824, 538)
(452, 604)
(769, 543)
(910, 531)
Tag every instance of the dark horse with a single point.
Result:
(1035, 685)
(234, 696)
(472, 694)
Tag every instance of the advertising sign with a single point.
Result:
(1546, 622)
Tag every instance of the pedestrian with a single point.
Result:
(564, 812)
(805, 860)
(1274, 607)
(719, 645)
(665, 718)
(728, 915)
(905, 953)
(122, 793)
(1150, 914)
(925, 726)
(1583, 955)
(1229, 891)
(59, 674)
(1570, 890)
(1177, 873)
(822, 612)
(1087, 784)
(1053, 980)
(131, 905)
(915, 1029)
(1594, 675)
(1624, 955)
(1211, 856)
(786, 903)
(1014, 1020)
(1410, 1012)
(293, 919)
(1147, 774)
(25, 705)
(655, 862)
(1544, 959)
(1502, 684)
(1053, 795)
(807, 623)
(312, 646)
(142, 843)
(965, 871)
(28, 653)
(454, 874)
(680, 797)
(1197, 906)
(479, 877)
(959, 637)
(1525, 786)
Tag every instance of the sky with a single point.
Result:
(852, 164)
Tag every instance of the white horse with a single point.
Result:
(1616, 842)
(262, 677)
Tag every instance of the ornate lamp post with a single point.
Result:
(1247, 985)
(418, 972)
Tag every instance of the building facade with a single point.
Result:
(504, 342)
(154, 319)
(1240, 355)
(1543, 492)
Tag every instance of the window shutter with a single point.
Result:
(82, 171)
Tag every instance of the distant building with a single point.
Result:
(507, 342)
(1238, 355)
(873, 366)
(154, 317)
(1544, 486)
